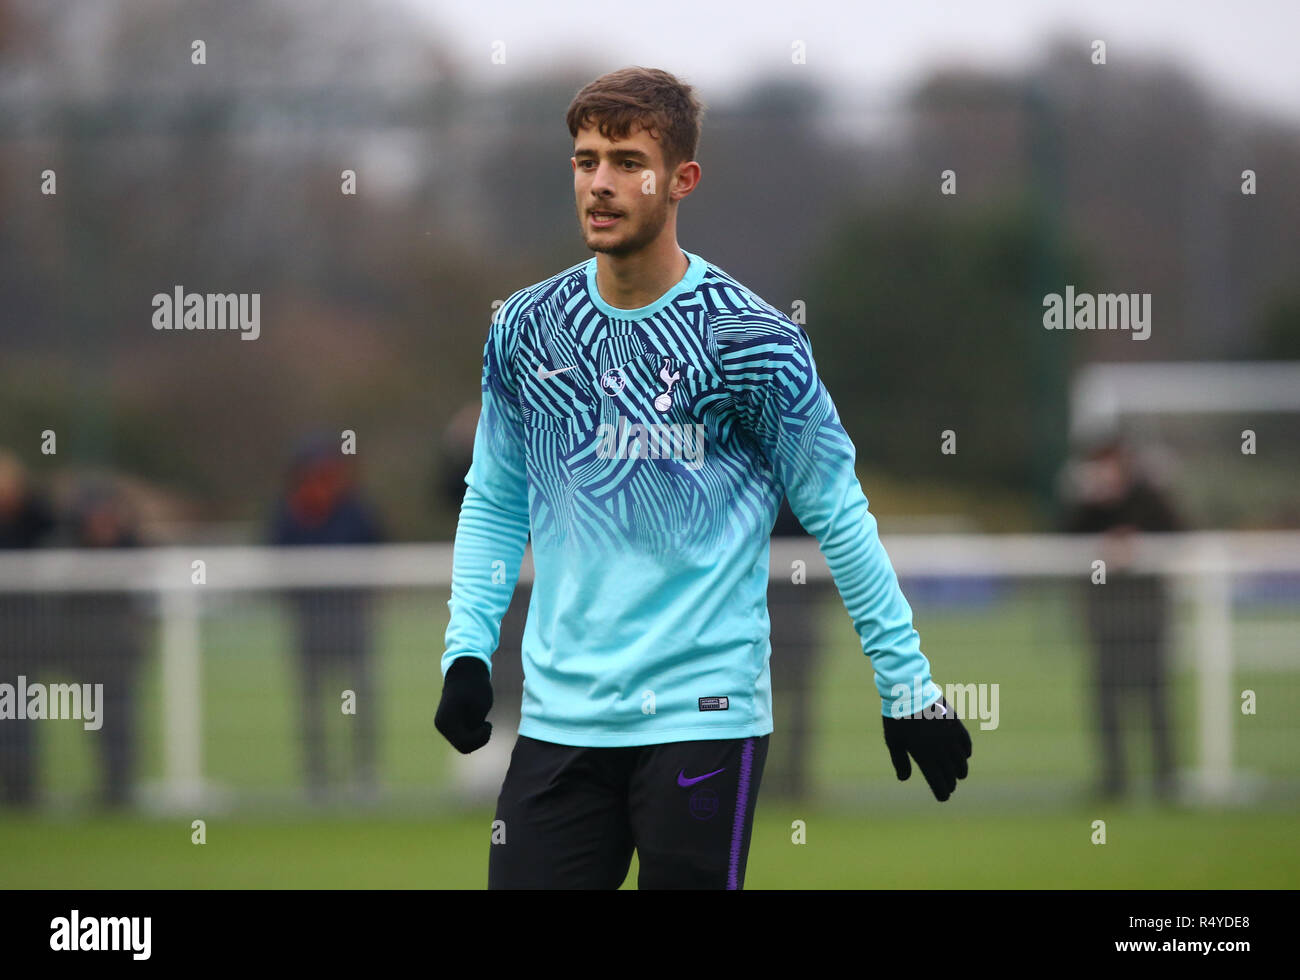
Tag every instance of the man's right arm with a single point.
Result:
(493, 526)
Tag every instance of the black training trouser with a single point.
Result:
(570, 816)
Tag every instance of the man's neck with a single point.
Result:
(630, 282)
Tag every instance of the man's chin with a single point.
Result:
(628, 241)
(619, 247)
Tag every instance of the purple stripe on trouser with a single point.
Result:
(738, 823)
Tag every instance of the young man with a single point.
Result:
(643, 413)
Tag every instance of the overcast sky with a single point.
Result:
(1243, 50)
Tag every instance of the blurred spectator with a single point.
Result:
(794, 611)
(480, 776)
(26, 521)
(457, 453)
(101, 636)
(322, 505)
(1108, 493)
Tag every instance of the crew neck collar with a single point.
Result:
(694, 273)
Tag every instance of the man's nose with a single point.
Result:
(602, 184)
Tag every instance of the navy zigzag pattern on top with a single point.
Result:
(744, 378)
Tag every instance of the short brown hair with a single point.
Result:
(663, 105)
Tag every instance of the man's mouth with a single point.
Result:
(603, 219)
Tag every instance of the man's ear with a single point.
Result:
(682, 173)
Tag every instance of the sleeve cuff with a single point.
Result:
(905, 696)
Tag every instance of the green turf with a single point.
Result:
(1019, 821)
(1144, 849)
(1030, 644)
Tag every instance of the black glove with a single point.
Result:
(939, 743)
(466, 700)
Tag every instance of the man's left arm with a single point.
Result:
(792, 417)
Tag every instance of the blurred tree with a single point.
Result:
(225, 177)
(1279, 330)
(924, 321)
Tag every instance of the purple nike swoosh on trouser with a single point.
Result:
(683, 781)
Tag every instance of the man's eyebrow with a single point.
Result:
(613, 153)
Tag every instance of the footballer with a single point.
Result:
(642, 415)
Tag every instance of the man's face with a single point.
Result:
(1105, 475)
(101, 528)
(618, 176)
(11, 492)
